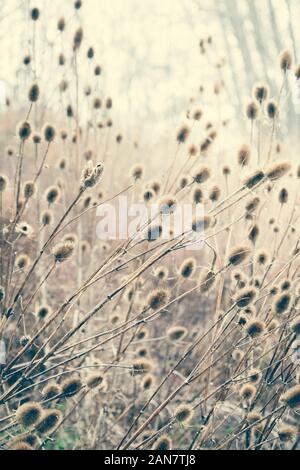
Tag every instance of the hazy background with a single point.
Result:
(150, 53)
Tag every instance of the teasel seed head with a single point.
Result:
(163, 443)
(201, 223)
(187, 268)
(247, 392)
(29, 414)
(36, 138)
(183, 134)
(161, 272)
(24, 130)
(3, 183)
(71, 386)
(260, 92)
(245, 297)
(292, 397)
(272, 109)
(244, 154)
(254, 375)
(287, 433)
(215, 193)
(35, 14)
(78, 37)
(147, 382)
(97, 70)
(78, 4)
(184, 413)
(154, 232)
(202, 174)
(239, 255)
(262, 257)
(158, 298)
(34, 93)
(253, 234)
(253, 179)
(286, 61)
(283, 196)
(63, 251)
(206, 280)
(255, 328)
(295, 325)
(29, 189)
(51, 390)
(252, 110)
(44, 311)
(92, 175)
(94, 380)
(49, 132)
(278, 170)
(51, 419)
(176, 333)
(198, 196)
(22, 261)
(282, 303)
(253, 416)
(137, 172)
(46, 217)
(142, 366)
(61, 24)
(167, 204)
(52, 194)
(237, 355)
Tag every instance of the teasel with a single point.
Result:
(46, 217)
(272, 109)
(147, 382)
(63, 251)
(183, 182)
(255, 328)
(283, 196)
(61, 24)
(253, 233)
(238, 255)
(35, 14)
(254, 375)
(286, 61)
(163, 443)
(34, 93)
(247, 392)
(202, 174)
(176, 333)
(260, 92)
(97, 70)
(184, 413)
(22, 261)
(29, 189)
(161, 272)
(94, 380)
(287, 433)
(244, 154)
(71, 386)
(29, 414)
(206, 280)
(292, 397)
(253, 179)
(52, 194)
(282, 303)
(295, 325)
(278, 170)
(142, 366)
(252, 110)
(201, 223)
(245, 297)
(49, 133)
(187, 268)
(215, 193)
(51, 419)
(137, 172)
(24, 130)
(91, 175)
(183, 134)
(154, 232)
(167, 204)
(3, 183)
(157, 298)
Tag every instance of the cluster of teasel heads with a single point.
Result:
(147, 345)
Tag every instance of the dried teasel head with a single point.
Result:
(91, 175)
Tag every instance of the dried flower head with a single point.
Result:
(29, 414)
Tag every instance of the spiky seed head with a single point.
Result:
(286, 61)
(281, 303)
(187, 268)
(22, 261)
(255, 328)
(46, 217)
(52, 194)
(49, 132)
(292, 397)
(253, 233)
(226, 170)
(3, 183)
(35, 14)
(283, 196)
(63, 251)
(51, 391)
(197, 196)
(176, 333)
(24, 130)
(44, 311)
(247, 392)
(183, 134)
(287, 433)
(245, 297)
(206, 280)
(61, 24)
(278, 170)
(29, 414)
(254, 375)
(34, 93)
(94, 380)
(253, 179)
(244, 155)
(137, 171)
(163, 443)
(157, 298)
(154, 232)
(78, 37)
(201, 223)
(183, 413)
(161, 272)
(252, 110)
(262, 257)
(239, 255)
(92, 175)
(29, 189)
(253, 417)
(141, 366)
(237, 355)
(272, 109)
(260, 92)
(71, 386)
(167, 204)
(295, 325)
(197, 114)
(97, 70)
(78, 4)
(202, 174)
(215, 193)
(147, 382)
(50, 421)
